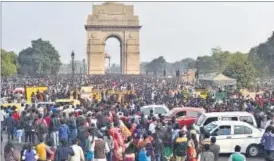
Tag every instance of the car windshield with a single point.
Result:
(200, 120)
(209, 127)
(146, 111)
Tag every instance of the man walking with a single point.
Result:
(78, 151)
(180, 147)
(10, 126)
(237, 156)
(214, 148)
(268, 143)
(53, 128)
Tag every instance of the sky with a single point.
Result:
(175, 30)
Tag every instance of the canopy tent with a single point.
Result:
(219, 80)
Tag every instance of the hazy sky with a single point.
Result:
(174, 30)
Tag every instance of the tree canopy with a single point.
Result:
(159, 64)
(262, 57)
(156, 65)
(239, 68)
(8, 63)
(39, 59)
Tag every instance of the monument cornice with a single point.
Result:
(111, 27)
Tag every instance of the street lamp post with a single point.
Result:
(72, 67)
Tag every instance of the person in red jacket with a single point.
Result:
(16, 116)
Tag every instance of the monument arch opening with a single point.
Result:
(113, 55)
(113, 20)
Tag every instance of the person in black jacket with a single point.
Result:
(180, 147)
(53, 128)
(29, 129)
(10, 122)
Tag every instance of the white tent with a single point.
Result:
(219, 80)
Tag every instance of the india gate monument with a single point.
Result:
(113, 20)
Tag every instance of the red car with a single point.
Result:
(185, 115)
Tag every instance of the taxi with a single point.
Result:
(231, 133)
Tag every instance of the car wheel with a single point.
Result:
(252, 150)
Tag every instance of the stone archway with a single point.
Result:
(113, 20)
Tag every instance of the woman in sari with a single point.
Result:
(10, 154)
(191, 151)
(130, 150)
(118, 146)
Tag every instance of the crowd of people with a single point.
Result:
(93, 129)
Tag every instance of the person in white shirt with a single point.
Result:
(153, 125)
(78, 151)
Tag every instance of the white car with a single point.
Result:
(207, 118)
(157, 109)
(231, 133)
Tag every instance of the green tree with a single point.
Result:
(188, 63)
(261, 69)
(156, 65)
(206, 64)
(239, 68)
(220, 58)
(265, 52)
(8, 63)
(40, 59)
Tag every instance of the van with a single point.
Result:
(207, 118)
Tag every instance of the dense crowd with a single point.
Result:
(93, 129)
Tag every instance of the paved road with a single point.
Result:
(223, 157)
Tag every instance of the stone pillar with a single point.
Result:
(132, 55)
(96, 58)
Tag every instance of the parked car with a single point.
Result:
(185, 115)
(231, 133)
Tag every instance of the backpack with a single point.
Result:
(42, 127)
